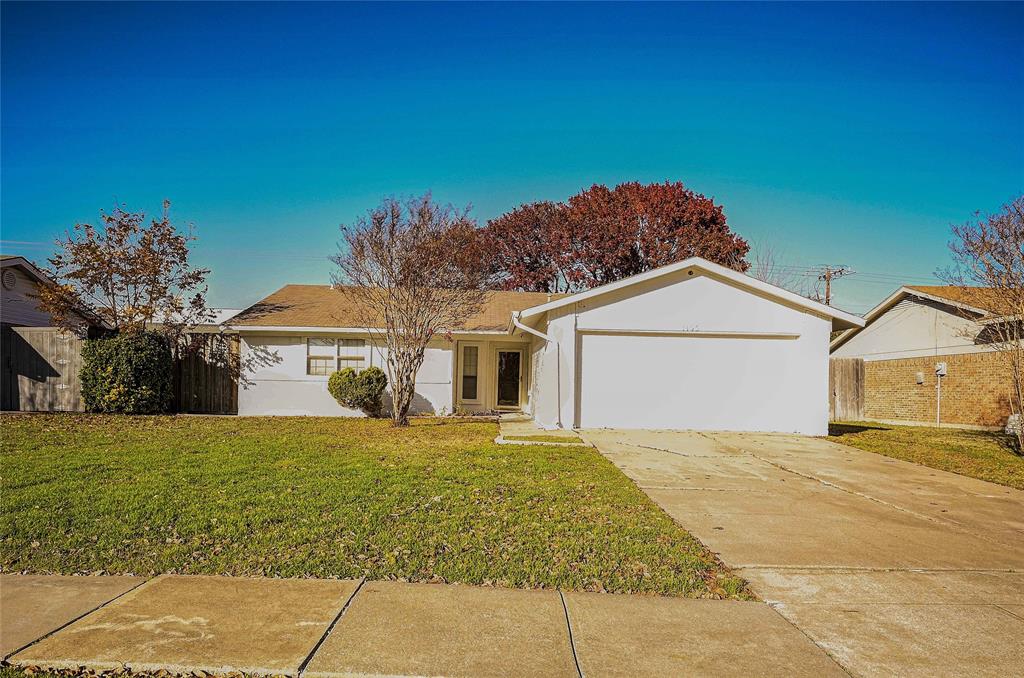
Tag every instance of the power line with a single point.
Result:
(828, 274)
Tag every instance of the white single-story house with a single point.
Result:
(691, 345)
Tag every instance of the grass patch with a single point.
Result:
(546, 439)
(13, 672)
(333, 497)
(979, 454)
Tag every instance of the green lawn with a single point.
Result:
(333, 497)
(11, 672)
(979, 454)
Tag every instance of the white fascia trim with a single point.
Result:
(708, 267)
(292, 329)
(996, 319)
(28, 266)
(891, 301)
(710, 334)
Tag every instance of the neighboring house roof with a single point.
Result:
(324, 306)
(25, 265)
(971, 300)
(840, 319)
(215, 324)
(976, 299)
(222, 315)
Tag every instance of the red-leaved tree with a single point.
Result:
(601, 235)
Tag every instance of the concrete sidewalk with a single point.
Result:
(891, 567)
(353, 628)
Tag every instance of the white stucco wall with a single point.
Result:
(630, 380)
(545, 386)
(913, 328)
(561, 369)
(284, 388)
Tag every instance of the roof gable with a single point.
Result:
(840, 319)
(962, 300)
(25, 265)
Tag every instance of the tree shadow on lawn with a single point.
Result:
(1001, 440)
(835, 429)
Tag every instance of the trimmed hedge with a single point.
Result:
(128, 374)
(359, 390)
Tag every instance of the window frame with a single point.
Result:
(348, 352)
(479, 372)
(334, 353)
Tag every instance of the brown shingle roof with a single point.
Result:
(977, 297)
(326, 306)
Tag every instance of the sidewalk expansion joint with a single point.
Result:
(337, 618)
(568, 626)
(1012, 614)
(24, 647)
(812, 640)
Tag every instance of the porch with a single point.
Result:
(491, 375)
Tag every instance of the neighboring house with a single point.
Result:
(38, 365)
(692, 345)
(19, 279)
(904, 339)
(216, 324)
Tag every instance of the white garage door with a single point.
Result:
(706, 383)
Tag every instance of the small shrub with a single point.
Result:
(359, 390)
(342, 385)
(127, 374)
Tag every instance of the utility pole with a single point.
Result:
(828, 274)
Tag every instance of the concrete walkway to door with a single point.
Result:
(890, 567)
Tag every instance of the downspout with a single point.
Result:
(558, 361)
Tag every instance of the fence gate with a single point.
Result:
(40, 370)
(846, 389)
(204, 381)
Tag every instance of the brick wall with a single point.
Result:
(975, 390)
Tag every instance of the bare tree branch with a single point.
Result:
(417, 273)
(989, 265)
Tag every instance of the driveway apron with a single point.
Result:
(890, 567)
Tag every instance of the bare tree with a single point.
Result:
(415, 268)
(989, 258)
(766, 266)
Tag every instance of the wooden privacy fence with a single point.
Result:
(846, 389)
(40, 370)
(41, 365)
(204, 382)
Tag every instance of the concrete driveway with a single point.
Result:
(890, 567)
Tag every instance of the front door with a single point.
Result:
(509, 374)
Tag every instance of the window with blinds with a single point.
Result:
(324, 356)
(470, 364)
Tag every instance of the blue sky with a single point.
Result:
(839, 133)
